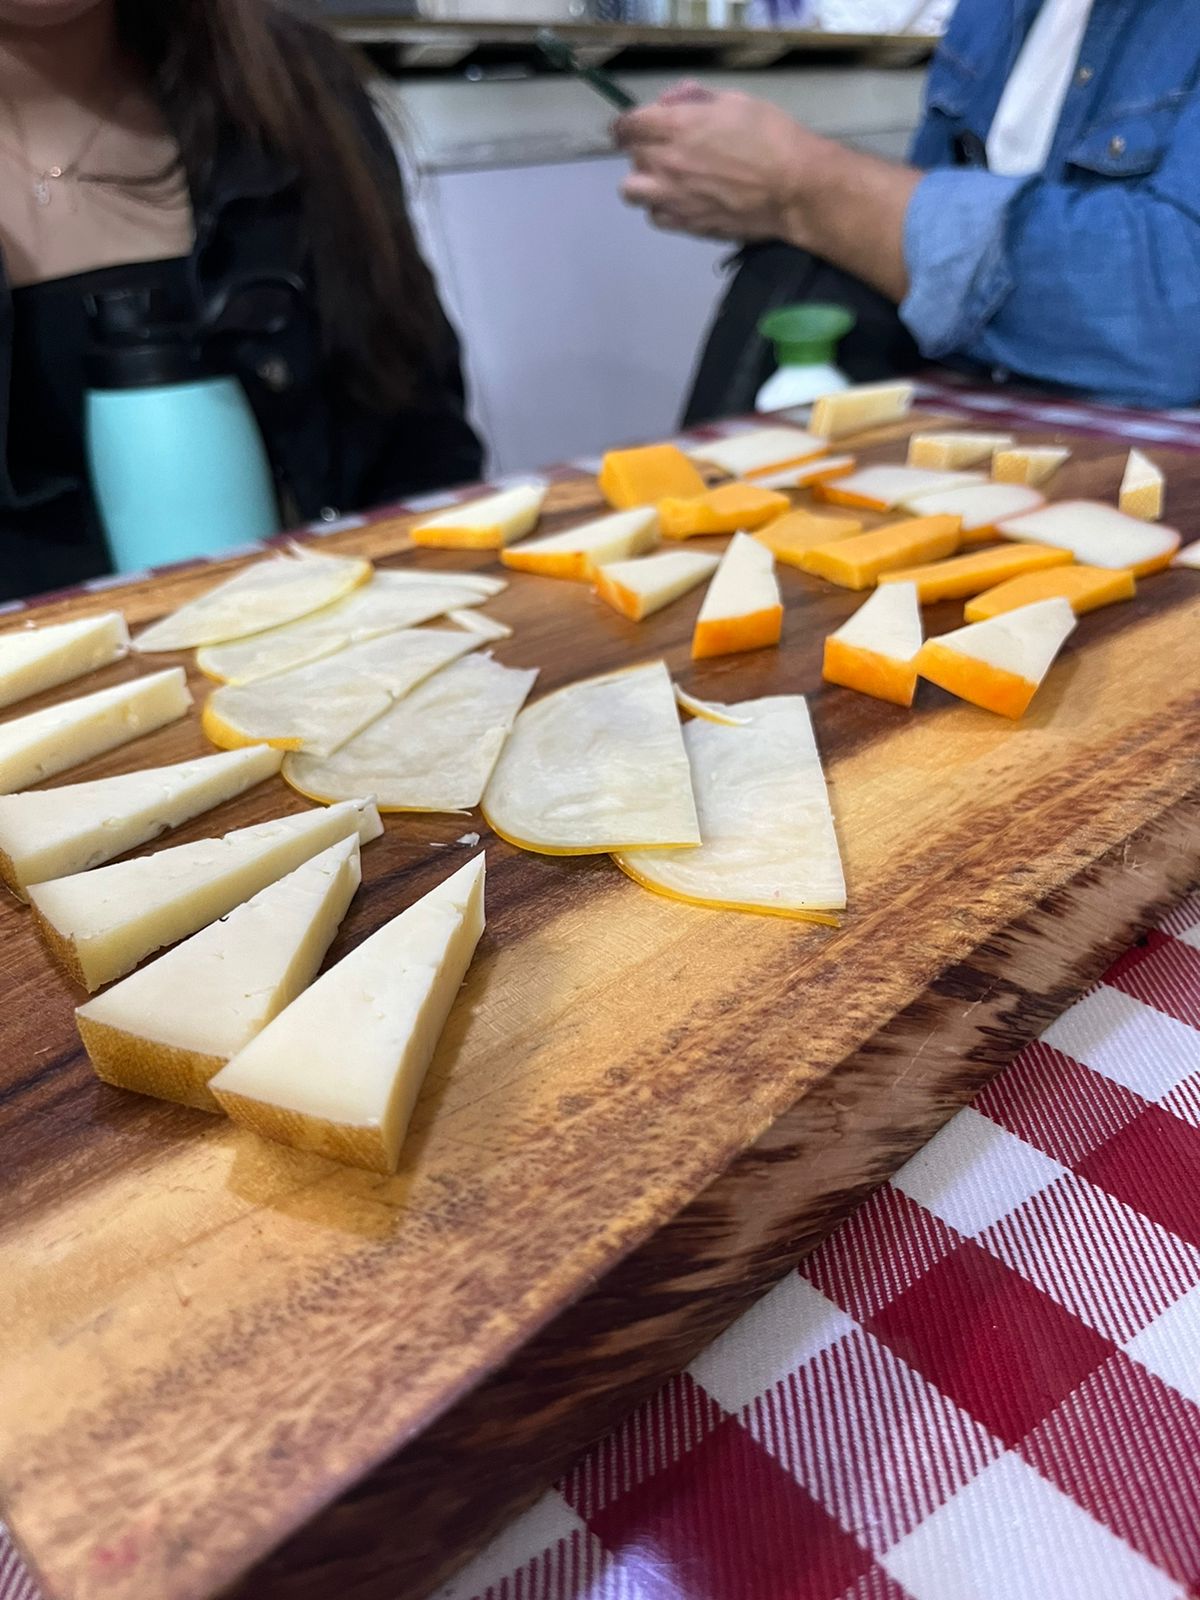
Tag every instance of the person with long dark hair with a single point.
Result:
(187, 147)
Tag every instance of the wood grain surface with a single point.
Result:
(231, 1365)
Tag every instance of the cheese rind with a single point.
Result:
(859, 562)
(999, 664)
(642, 586)
(35, 659)
(41, 744)
(100, 924)
(1087, 588)
(854, 410)
(1142, 488)
(1032, 466)
(744, 455)
(168, 1028)
(339, 1071)
(577, 551)
(52, 833)
(885, 488)
(487, 523)
(742, 609)
(1097, 535)
(875, 650)
(946, 452)
(978, 570)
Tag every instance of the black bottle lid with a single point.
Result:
(131, 346)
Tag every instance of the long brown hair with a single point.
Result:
(254, 68)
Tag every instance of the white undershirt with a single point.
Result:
(1023, 128)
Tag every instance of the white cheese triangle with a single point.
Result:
(1024, 642)
(759, 450)
(1142, 488)
(33, 659)
(1097, 535)
(980, 505)
(575, 551)
(888, 622)
(743, 584)
(888, 487)
(492, 520)
(639, 587)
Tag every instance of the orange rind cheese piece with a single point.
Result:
(793, 535)
(639, 587)
(859, 562)
(650, 473)
(980, 570)
(1087, 588)
(742, 609)
(876, 650)
(884, 488)
(733, 508)
(744, 455)
(487, 523)
(807, 473)
(999, 664)
(981, 506)
(577, 551)
(1097, 535)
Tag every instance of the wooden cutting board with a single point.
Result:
(223, 1358)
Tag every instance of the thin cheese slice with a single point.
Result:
(483, 583)
(433, 751)
(1028, 465)
(488, 628)
(859, 562)
(978, 506)
(166, 1029)
(339, 1071)
(578, 551)
(596, 767)
(43, 743)
(1097, 535)
(264, 595)
(947, 452)
(484, 524)
(999, 664)
(1189, 556)
(875, 651)
(390, 601)
(744, 455)
(981, 569)
(33, 659)
(51, 833)
(101, 924)
(768, 837)
(790, 538)
(1087, 588)
(854, 410)
(820, 470)
(1142, 488)
(638, 588)
(885, 488)
(709, 709)
(318, 708)
(742, 609)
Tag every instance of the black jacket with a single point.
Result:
(328, 453)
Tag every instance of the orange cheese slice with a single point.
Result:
(640, 477)
(742, 609)
(791, 537)
(577, 551)
(999, 664)
(859, 562)
(876, 650)
(884, 488)
(733, 508)
(1097, 535)
(980, 570)
(1087, 588)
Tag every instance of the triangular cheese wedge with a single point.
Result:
(869, 405)
(768, 838)
(791, 537)
(33, 659)
(488, 523)
(999, 664)
(318, 708)
(821, 470)
(742, 609)
(859, 562)
(385, 605)
(1028, 465)
(1087, 588)
(1189, 556)
(1097, 535)
(948, 452)
(269, 593)
(339, 1071)
(885, 488)
(1142, 488)
(578, 551)
(51, 833)
(875, 651)
(638, 588)
(979, 570)
(43, 743)
(101, 924)
(742, 455)
(595, 767)
(433, 751)
(979, 507)
(166, 1029)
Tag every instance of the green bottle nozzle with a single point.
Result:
(806, 335)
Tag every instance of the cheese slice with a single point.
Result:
(166, 1029)
(264, 595)
(433, 751)
(875, 651)
(390, 601)
(484, 524)
(742, 609)
(33, 659)
(743, 455)
(999, 664)
(1087, 588)
(483, 583)
(972, 574)
(853, 410)
(339, 1071)
(859, 562)
(51, 833)
(885, 488)
(791, 537)
(647, 474)
(100, 924)
(820, 470)
(1189, 556)
(1142, 488)
(1097, 535)
(638, 588)
(578, 551)
(488, 628)
(43, 743)
(978, 506)
(319, 707)
(950, 451)
(768, 837)
(594, 767)
(1032, 466)
(731, 508)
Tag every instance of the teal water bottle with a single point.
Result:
(177, 462)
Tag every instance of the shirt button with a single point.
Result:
(1084, 75)
(1116, 146)
(275, 373)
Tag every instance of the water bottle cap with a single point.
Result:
(806, 335)
(132, 345)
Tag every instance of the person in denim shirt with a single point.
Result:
(1084, 274)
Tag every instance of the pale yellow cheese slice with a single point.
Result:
(950, 451)
(769, 843)
(1189, 556)
(166, 1029)
(759, 450)
(100, 924)
(644, 585)
(33, 659)
(488, 628)
(577, 552)
(433, 751)
(482, 582)
(853, 410)
(385, 605)
(269, 593)
(1031, 465)
(709, 709)
(595, 767)
(51, 833)
(43, 743)
(1142, 488)
(319, 707)
(339, 1071)
(488, 523)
